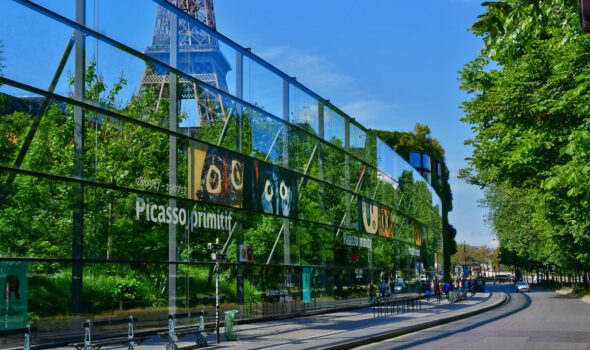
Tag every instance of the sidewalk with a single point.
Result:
(341, 330)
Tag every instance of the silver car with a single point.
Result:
(521, 286)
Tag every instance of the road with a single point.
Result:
(540, 319)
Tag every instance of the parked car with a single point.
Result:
(399, 287)
(522, 286)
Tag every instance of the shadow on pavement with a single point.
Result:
(477, 324)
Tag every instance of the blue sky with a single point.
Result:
(387, 63)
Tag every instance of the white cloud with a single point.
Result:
(312, 70)
(322, 76)
(370, 112)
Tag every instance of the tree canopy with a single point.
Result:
(528, 108)
(419, 140)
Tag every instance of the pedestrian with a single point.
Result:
(372, 293)
(427, 292)
(438, 292)
(383, 288)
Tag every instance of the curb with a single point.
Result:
(419, 327)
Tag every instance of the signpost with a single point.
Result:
(217, 257)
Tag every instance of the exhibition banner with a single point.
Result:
(385, 222)
(368, 215)
(215, 175)
(272, 190)
(14, 303)
(374, 218)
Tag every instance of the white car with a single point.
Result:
(522, 287)
(399, 287)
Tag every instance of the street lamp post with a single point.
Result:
(217, 257)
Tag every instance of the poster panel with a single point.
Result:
(374, 218)
(368, 215)
(215, 175)
(273, 190)
(385, 222)
(15, 290)
(306, 284)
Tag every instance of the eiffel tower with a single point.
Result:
(198, 56)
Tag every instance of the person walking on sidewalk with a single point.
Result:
(427, 291)
(446, 288)
(383, 289)
(438, 290)
(372, 292)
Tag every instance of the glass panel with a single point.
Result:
(31, 207)
(358, 142)
(51, 148)
(303, 151)
(333, 127)
(263, 88)
(334, 165)
(426, 161)
(267, 137)
(416, 159)
(23, 44)
(303, 110)
(385, 157)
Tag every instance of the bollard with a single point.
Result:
(88, 335)
(230, 316)
(27, 343)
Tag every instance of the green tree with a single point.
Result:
(529, 113)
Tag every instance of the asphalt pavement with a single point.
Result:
(540, 319)
(340, 329)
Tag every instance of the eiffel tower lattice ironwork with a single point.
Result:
(198, 55)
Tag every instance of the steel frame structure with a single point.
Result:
(175, 85)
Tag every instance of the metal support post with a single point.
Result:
(286, 232)
(173, 122)
(321, 131)
(77, 189)
(217, 323)
(239, 122)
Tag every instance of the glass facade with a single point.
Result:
(422, 162)
(123, 154)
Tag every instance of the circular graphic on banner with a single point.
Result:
(284, 191)
(236, 175)
(268, 191)
(213, 180)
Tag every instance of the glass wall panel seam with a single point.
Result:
(162, 130)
